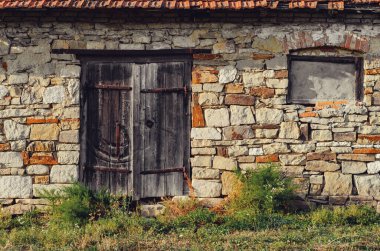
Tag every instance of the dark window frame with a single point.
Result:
(357, 61)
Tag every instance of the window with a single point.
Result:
(313, 79)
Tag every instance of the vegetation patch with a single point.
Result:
(256, 216)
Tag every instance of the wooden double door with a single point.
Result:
(136, 122)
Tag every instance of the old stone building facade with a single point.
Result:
(241, 113)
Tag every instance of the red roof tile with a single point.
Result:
(176, 4)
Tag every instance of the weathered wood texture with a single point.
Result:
(151, 121)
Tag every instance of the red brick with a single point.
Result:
(258, 56)
(262, 92)
(239, 99)
(205, 56)
(267, 158)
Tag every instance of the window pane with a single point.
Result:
(321, 81)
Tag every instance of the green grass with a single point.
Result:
(256, 218)
(132, 232)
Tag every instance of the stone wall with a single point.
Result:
(240, 115)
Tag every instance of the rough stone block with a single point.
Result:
(15, 187)
(238, 132)
(373, 167)
(205, 133)
(54, 95)
(356, 157)
(208, 98)
(205, 173)
(223, 163)
(227, 74)
(207, 188)
(69, 136)
(44, 132)
(353, 167)
(241, 115)
(64, 174)
(321, 135)
(337, 184)
(234, 151)
(37, 169)
(321, 166)
(293, 159)
(204, 161)
(11, 159)
(269, 116)
(70, 71)
(15, 131)
(217, 117)
(68, 157)
(368, 185)
(289, 130)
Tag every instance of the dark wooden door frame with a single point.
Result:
(137, 58)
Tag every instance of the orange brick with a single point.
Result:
(25, 157)
(41, 179)
(5, 147)
(333, 104)
(281, 74)
(198, 118)
(372, 71)
(308, 114)
(39, 120)
(368, 90)
(368, 138)
(367, 150)
(267, 158)
(52, 120)
(43, 159)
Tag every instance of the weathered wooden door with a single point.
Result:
(163, 141)
(137, 127)
(109, 127)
